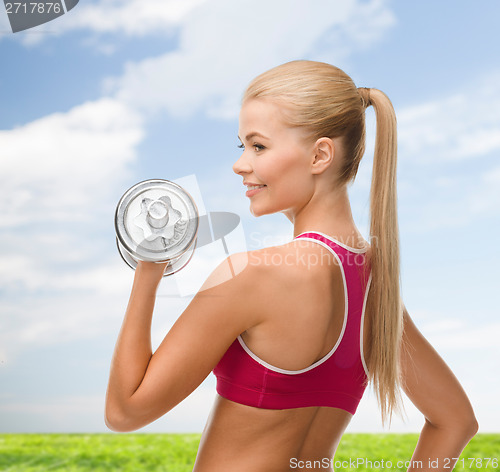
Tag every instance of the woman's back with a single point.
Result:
(263, 314)
(302, 291)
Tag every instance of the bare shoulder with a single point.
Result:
(248, 278)
(295, 255)
(232, 271)
(280, 272)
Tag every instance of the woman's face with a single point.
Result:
(276, 157)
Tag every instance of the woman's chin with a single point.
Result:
(256, 211)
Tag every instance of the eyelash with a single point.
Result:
(257, 146)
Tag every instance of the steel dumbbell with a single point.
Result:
(157, 221)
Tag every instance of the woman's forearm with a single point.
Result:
(133, 349)
(439, 448)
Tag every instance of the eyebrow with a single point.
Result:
(252, 135)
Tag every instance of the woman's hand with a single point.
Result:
(151, 270)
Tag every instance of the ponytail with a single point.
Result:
(384, 300)
(324, 101)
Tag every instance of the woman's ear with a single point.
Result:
(324, 152)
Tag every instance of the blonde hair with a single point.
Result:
(324, 102)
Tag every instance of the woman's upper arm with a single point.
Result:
(429, 382)
(218, 313)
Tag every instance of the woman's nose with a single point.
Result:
(242, 166)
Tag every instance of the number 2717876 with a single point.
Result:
(40, 8)
(472, 462)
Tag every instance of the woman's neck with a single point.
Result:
(330, 213)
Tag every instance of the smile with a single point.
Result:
(254, 189)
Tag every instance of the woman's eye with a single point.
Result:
(257, 147)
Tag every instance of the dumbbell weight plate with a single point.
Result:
(155, 221)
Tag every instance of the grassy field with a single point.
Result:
(176, 452)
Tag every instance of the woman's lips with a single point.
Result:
(254, 191)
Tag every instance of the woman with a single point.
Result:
(295, 336)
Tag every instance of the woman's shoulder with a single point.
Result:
(265, 268)
(297, 253)
(297, 259)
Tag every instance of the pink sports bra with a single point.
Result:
(337, 380)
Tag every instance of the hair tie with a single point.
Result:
(365, 96)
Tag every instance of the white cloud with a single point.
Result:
(484, 199)
(52, 320)
(219, 53)
(361, 22)
(492, 176)
(447, 149)
(448, 331)
(129, 17)
(134, 18)
(85, 308)
(456, 334)
(62, 166)
(457, 202)
(461, 125)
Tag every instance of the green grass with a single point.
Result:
(176, 452)
(98, 452)
(399, 447)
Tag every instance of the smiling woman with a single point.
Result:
(296, 336)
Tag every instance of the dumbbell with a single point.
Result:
(157, 221)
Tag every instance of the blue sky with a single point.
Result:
(115, 92)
